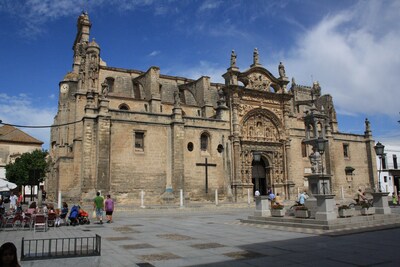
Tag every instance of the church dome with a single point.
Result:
(71, 76)
(93, 45)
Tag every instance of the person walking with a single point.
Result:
(394, 198)
(13, 201)
(109, 207)
(98, 206)
(19, 202)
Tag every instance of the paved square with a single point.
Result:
(215, 237)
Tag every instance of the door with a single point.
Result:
(259, 176)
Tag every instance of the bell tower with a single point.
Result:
(81, 40)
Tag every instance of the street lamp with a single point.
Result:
(379, 150)
(257, 156)
(321, 145)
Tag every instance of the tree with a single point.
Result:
(29, 169)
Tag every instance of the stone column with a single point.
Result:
(237, 178)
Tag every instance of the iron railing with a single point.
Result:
(40, 249)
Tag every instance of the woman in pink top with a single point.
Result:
(109, 207)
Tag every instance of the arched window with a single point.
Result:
(204, 138)
(123, 107)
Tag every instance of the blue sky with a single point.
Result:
(350, 47)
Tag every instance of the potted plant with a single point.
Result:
(345, 211)
(277, 210)
(367, 208)
(301, 211)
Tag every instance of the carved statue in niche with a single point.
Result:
(93, 70)
(259, 130)
(104, 89)
(268, 133)
(177, 99)
(251, 131)
(316, 161)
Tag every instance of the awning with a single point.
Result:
(6, 185)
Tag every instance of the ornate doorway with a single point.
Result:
(260, 176)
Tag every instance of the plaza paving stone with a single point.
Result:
(215, 237)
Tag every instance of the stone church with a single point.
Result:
(122, 131)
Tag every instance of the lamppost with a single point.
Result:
(257, 158)
(379, 150)
(321, 145)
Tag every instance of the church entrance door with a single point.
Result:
(259, 176)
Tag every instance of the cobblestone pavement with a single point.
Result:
(215, 237)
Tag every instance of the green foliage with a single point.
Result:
(301, 207)
(276, 206)
(344, 207)
(366, 205)
(29, 169)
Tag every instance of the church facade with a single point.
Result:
(122, 131)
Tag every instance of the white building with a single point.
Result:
(390, 171)
(13, 143)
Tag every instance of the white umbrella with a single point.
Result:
(6, 185)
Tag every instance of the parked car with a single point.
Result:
(5, 195)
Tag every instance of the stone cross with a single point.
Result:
(206, 165)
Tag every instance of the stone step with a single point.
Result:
(339, 224)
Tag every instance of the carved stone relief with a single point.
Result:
(246, 159)
(261, 100)
(259, 128)
(244, 109)
(258, 81)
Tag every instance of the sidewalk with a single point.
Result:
(214, 237)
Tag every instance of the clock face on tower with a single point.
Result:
(64, 88)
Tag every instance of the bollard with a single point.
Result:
(216, 197)
(181, 198)
(342, 192)
(39, 197)
(142, 199)
(59, 200)
(248, 197)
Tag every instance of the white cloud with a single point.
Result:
(210, 4)
(22, 110)
(204, 68)
(154, 53)
(354, 55)
(34, 14)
